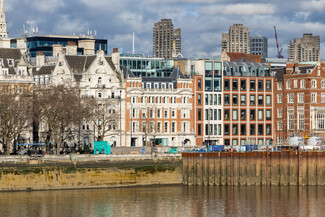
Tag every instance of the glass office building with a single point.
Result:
(45, 44)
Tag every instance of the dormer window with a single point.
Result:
(11, 62)
(163, 86)
(5, 71)
(170, 86)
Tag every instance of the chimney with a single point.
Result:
(71, 48)
(40, 59)
(116, 58)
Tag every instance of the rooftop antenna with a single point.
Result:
(133, 44)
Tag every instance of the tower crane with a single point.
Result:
(277, 45)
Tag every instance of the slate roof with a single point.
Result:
(279, 73)
(44, 70)
(177, 73)
(10, 53)
(79, 64)
(127, 73)
(304, 69)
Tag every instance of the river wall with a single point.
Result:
(257, 168)
(20, 173)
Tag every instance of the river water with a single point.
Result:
(168, 201)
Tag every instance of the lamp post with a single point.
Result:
(120, 118)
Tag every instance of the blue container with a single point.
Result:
(216, 148)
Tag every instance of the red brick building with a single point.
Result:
(300, 101)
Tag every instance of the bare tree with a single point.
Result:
(59, 109)
(15, 116)
(104, 116)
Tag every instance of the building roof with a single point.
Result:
(177, 73)
(279, 73)
(79, 64)
(242, 57)
(44, 70)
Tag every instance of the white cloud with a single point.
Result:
(67, 25)
(313, 5)
(49, 6)
(239, 9)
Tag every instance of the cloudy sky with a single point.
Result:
(201, 21)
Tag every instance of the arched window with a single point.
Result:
(323, 84)
(302, 84)
(313, 84)
(288, 84)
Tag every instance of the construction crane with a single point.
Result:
(277, 45)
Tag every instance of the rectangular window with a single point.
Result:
(199, 84)
(174, 127)
(235, 85)
(173, 113)
(290, 98)
(235, 142)
(234, 99)
(260, 85)
(268, 115)
(260, 100)
(219, 114)
(301, 121)
(260, 115)
(252, 83)
(243, 129)
(314, 97)
(206, 99)
(242, 99)
(268, 129)
(235, 114)
(166, 113)
(199, 100)
(323, 97)
(159, 113)
(279, 112)
(199, 130)
(291, 120)
(227, 129)
(252, 114)
(242, 85)
(235, 129)
(242, 142)
(268, 85)
(226, 99)
(215, 114)
(166, 130)
(199, 115)
(211, 99)
(268, 100)
(279, 125)
(215, 131)
(260, 130)
(301, 98)
(227, 114)
(208, 84)
(219, 99)
(215, 100)
(206, 114)
(219, 129)
(243, 114)
(252, 101)
(253, 129)
(279, 85)
(227, 85)
(279, 98)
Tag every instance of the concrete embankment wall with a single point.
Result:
(88, 171)
(261, 168)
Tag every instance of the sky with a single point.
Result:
(201, 21)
